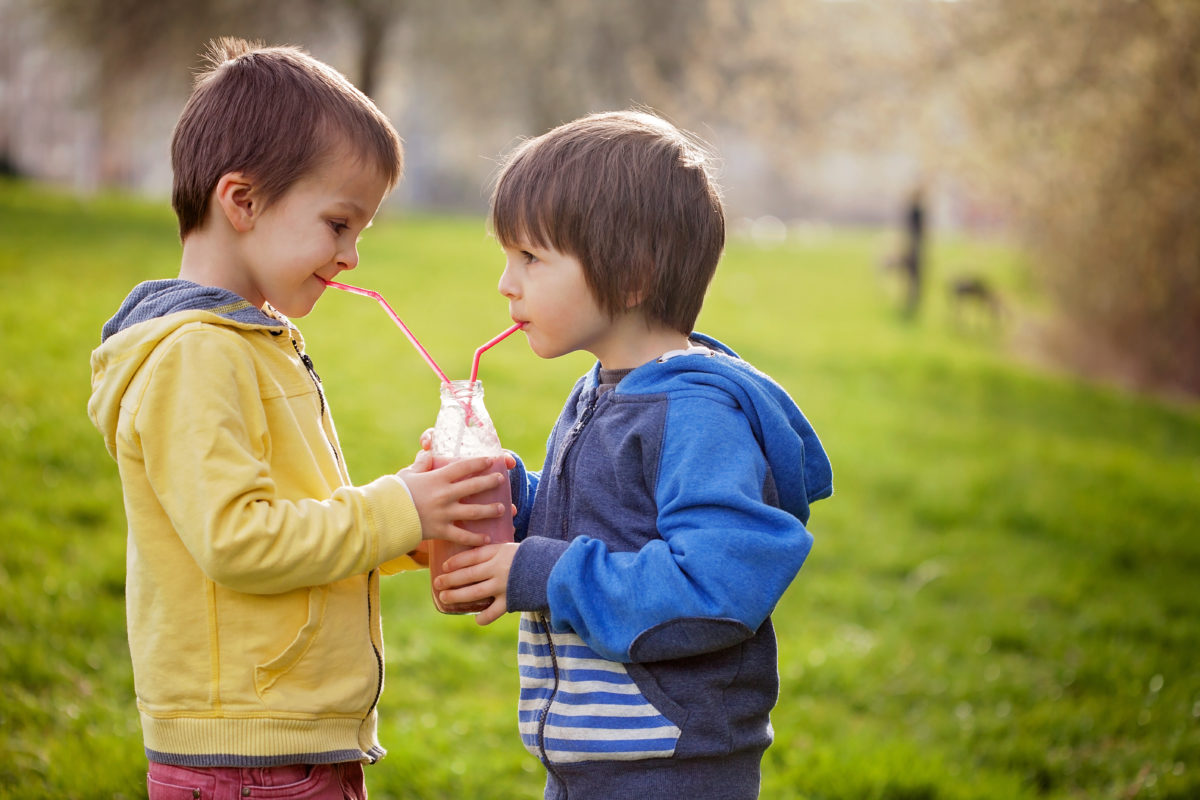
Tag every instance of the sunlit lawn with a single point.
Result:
(1001, 602)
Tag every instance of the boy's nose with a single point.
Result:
(348, 258)
(506, 286)
(510, 281)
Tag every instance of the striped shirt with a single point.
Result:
(578, 706)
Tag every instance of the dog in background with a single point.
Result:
(972, 297)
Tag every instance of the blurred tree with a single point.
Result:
(548, 61)
(1089, 113)
(10, 29)
(373, 20)
(781, 71)
(141, 49)
(783, 77)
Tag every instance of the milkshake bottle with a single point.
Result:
(464, 430)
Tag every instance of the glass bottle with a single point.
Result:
(465, 430)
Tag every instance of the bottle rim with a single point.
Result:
(462, 389)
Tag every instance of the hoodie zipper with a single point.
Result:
(573, 434)
(307, 361)
(373, 575)
(312, 371)
(545, 623)
(561, 458)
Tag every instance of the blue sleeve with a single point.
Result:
(723, 559)
(523, 484)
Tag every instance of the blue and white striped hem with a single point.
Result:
(596, 711)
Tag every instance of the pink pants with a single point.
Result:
(293, 782)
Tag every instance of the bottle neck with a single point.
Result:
(463, 426)
(462, 390)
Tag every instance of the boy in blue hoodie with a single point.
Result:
(670, 514)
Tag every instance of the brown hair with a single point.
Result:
(273, 113)
(629, 195)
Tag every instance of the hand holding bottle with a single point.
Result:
(479, 575)
(439, 496)
(464, 432)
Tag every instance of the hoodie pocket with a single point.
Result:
(268, 674)
(596, 712)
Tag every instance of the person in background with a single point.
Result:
(912, 259)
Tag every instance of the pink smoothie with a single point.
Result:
(500, 529)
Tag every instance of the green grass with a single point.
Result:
(1001, 602)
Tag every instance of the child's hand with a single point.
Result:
(422, 461)
(477, 575)
(438, 494)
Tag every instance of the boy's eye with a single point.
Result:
(338, 226)
(528, 256)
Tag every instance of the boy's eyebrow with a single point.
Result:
(356, 210)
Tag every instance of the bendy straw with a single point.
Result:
(490, 343)
(395, 318)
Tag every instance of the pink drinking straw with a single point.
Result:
(396, 318)
(488, 345)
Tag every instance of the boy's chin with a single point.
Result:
(299, 304)
(295, 310)
(542, 351)
(551, 353)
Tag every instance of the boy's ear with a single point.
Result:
(236, 198)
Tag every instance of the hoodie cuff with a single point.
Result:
(518, 484)
(529, 574)
(393, 516)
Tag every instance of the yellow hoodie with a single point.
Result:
(252, 593)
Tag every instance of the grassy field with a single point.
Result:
(1002, 601)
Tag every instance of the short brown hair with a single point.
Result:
(273, 113)
(629, 195)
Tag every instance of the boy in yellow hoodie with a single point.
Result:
(252, 589)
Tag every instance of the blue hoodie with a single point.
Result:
(667, 522)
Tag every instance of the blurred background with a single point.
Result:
(1070, 125)
(931, 202)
